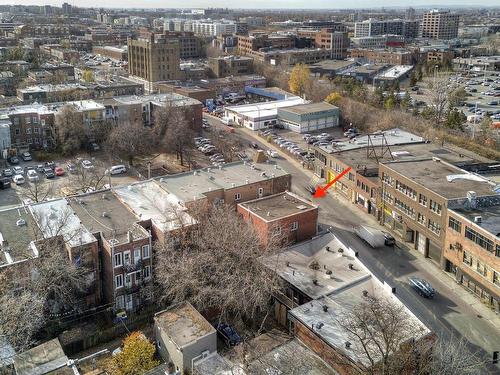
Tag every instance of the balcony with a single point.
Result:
(132, 267)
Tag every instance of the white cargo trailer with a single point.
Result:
(374, 237)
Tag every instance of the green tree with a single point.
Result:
(413, 79)
(300, 79)
(406, 101)
(455, 119)
(390, 102)
(88, 75)
(136, 358)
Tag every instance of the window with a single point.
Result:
(422, 199)
(118, 260)
(137, 255)
(421, 219)
(118, 281)
(295, 226)
(18, 131)
(467, 258)
(145, 251)
(36, 130)
(479, 239)
(28, 130)
(455, 224)
(126, 258)
(406, 190)
(406, 209)
(435, 207)
(277, 231)
(261, 192)
(434, 227)
(128, 279)
(387, 197)
(147, 272)
(496, 278)
(481, 268)
(237, 196)
(120, 302)
(497, 252)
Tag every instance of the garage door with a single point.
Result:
(434, 252)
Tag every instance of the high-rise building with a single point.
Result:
(66, 8)
(154, 58)
(440, 25)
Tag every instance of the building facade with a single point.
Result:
(336, 42)
(230, 66)
(440, 25)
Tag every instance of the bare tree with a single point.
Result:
(130, 140)
(70, 130)
(37, 191)
(440, 92)
(86, 180)
(214, 266)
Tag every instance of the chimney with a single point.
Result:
(325, 308)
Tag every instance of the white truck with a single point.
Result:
(374, 237)
(227, 121)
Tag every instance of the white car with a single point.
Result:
(32, 175)
(18, 179)
(18, 170)
(272, 153)
(87, 164)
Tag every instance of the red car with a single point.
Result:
(59, 171)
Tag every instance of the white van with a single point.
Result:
(32, 175)
(227, 121)
(117, 169)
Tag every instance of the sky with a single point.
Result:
(262, 4)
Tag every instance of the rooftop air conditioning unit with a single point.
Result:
(478, 220)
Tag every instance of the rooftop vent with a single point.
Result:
(347, 344)
(263, 174)
(325, 308)
(315, 281)
(220, 167)
(233, 184)
(341, 250)
(301, 207)
(365, 293)
(478, 220)
(21, 222)
(351, 266)
(327, 248)
(105, 214)
(319, 325)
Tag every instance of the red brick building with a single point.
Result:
(284, 215)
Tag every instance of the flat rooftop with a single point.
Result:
(183, 324)
(278, 206)
(303, 109)
(193, 185)
(395, 72)
(41, 359)
(490, 217)
(333, 64)
(442, 178)
(316, 271)
(148, 201)
(393, 137)
(264, 109)
(158, 99)
(56, 218)
(17, 231)
(103, 212)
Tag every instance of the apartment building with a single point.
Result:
(190, 45)
(213, 28)
(49, 93)
(125, 249)
(371, 27)
(284, 217)
(154, 59)
(336, 42)
(379, 41)
(256, 41)
(472, 246)
(291, 57)
(30, 125)
(416, 196)
(440, 25)
(230, 66)
(440, 56)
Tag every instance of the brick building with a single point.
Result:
(440, 25)
(283, 216)
(257, 41)
(230, 66)
(336, 42)
(383, 56)
(472, 246)
(115, 53)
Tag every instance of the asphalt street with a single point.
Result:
(447, 314)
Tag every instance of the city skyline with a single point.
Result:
(261, 4)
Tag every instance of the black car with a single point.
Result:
(14, 160)
(389, 239)
(311, 189)
(48, 172)
(228, 334)
(422, 287)
(254, 145)
(4, 183)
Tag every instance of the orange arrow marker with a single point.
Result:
(321, 191)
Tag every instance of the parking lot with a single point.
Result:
(38, 181)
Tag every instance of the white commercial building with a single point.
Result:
(260, 115)
(213, 28)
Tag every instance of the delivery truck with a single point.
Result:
(374, 237)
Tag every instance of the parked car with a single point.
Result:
(26, 156)
(59, 171)
(117, 169)
(94, 146)
(48, 172)
(18, 179)
(389, 239)
(423, 287)
(311, 189)
(13, 160)
(18, 170)
(4, 183)
(71, 167)
(7, 172)
(374, 237)
(272, 153)
(87, 164)
(50, 164)
(254, 145)
(39, 168)
(32, 175)
(228, 334)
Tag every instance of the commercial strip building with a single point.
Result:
(440, 25)
(383, 56)
(260, 115)
(324, 281)
(311, 117)
(378, 41)
(395, 74)
(115, 53)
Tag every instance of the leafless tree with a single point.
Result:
(41, 286)
(85, 180)
(70, 130)
(215, 266)
(440, 91)
(130, 140)
(383, 336)
(37, 191)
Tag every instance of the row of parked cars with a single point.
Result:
(287, 144)
(19, 175)
(205, 145)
